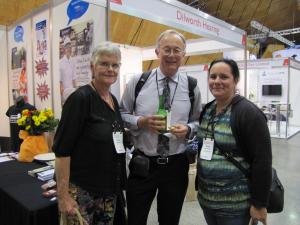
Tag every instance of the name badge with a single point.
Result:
(118, 142)
(207, 149)
(168, 120)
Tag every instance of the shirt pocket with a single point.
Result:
(180, 109)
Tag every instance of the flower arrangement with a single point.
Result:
(36, 122)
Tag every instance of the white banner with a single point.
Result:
(20, 61)
(180, 16)
(42, 65)
(264, 64)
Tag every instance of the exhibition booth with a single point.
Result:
(271, 84)
(35, 45)
(35, 52)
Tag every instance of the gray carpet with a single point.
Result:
(286, 159)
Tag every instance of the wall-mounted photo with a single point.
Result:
(74, 52)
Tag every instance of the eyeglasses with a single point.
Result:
(168, 51)
(106, 65)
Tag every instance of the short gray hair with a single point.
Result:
(105, 48)
(167, 32)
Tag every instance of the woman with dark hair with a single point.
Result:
(232, 125)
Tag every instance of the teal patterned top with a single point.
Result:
(221, 185)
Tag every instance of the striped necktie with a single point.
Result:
(166, 94)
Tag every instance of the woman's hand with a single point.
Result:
(258, 214)
(66, 204)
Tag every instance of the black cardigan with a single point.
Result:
(252, 136)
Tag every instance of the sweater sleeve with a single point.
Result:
(71, 124)
(254, 139)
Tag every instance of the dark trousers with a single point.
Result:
(214, 217)
(169, 181)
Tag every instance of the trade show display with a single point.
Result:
(205, 34)
(273, 86)
(49, 50)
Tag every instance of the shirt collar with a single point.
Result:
(161, 76)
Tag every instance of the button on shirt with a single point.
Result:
(147, 104)
(67, 72)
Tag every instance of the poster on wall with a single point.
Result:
(41, 38)
(19, 62)
(41, 65)
(75, 48)
(18, 73)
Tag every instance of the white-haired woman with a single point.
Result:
(90, 164)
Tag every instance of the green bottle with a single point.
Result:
(161, 111)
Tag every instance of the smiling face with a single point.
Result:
(68, 50)
(170, 53)
(221, 81)
(106, 70)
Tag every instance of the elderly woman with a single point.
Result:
(232, 125)
(90, 156)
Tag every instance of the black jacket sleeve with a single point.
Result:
(71, 124)
(253, 137)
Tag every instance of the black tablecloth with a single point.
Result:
(21, 200)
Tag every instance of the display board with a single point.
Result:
(77, 27)
(41, 59)
(273, 85)
(20, 62)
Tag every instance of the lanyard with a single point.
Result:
(170, 93)
(212, 120)
(116, 126)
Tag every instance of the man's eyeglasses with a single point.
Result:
(107, 65)
(168, 51)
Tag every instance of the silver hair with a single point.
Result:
(105, 48)
(167, 32)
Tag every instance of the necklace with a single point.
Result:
(108, 99)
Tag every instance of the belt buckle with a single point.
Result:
(162, 160)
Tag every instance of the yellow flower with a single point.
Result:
(27, 127)
(20, 122)
(37, 123)
(34, 118)
(48, 112)
(42, 118)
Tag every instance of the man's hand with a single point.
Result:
(179, 130)
(154, 123)
(258, 214)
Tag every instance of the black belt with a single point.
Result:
(160, 160)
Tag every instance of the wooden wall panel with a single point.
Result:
(12, 10)
(134, 31)
(189, 60)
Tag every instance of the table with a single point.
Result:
(21, 200)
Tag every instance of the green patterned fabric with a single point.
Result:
(221, 185)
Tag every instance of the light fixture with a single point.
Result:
(270, 33)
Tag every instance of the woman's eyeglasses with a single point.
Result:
(107, 65)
